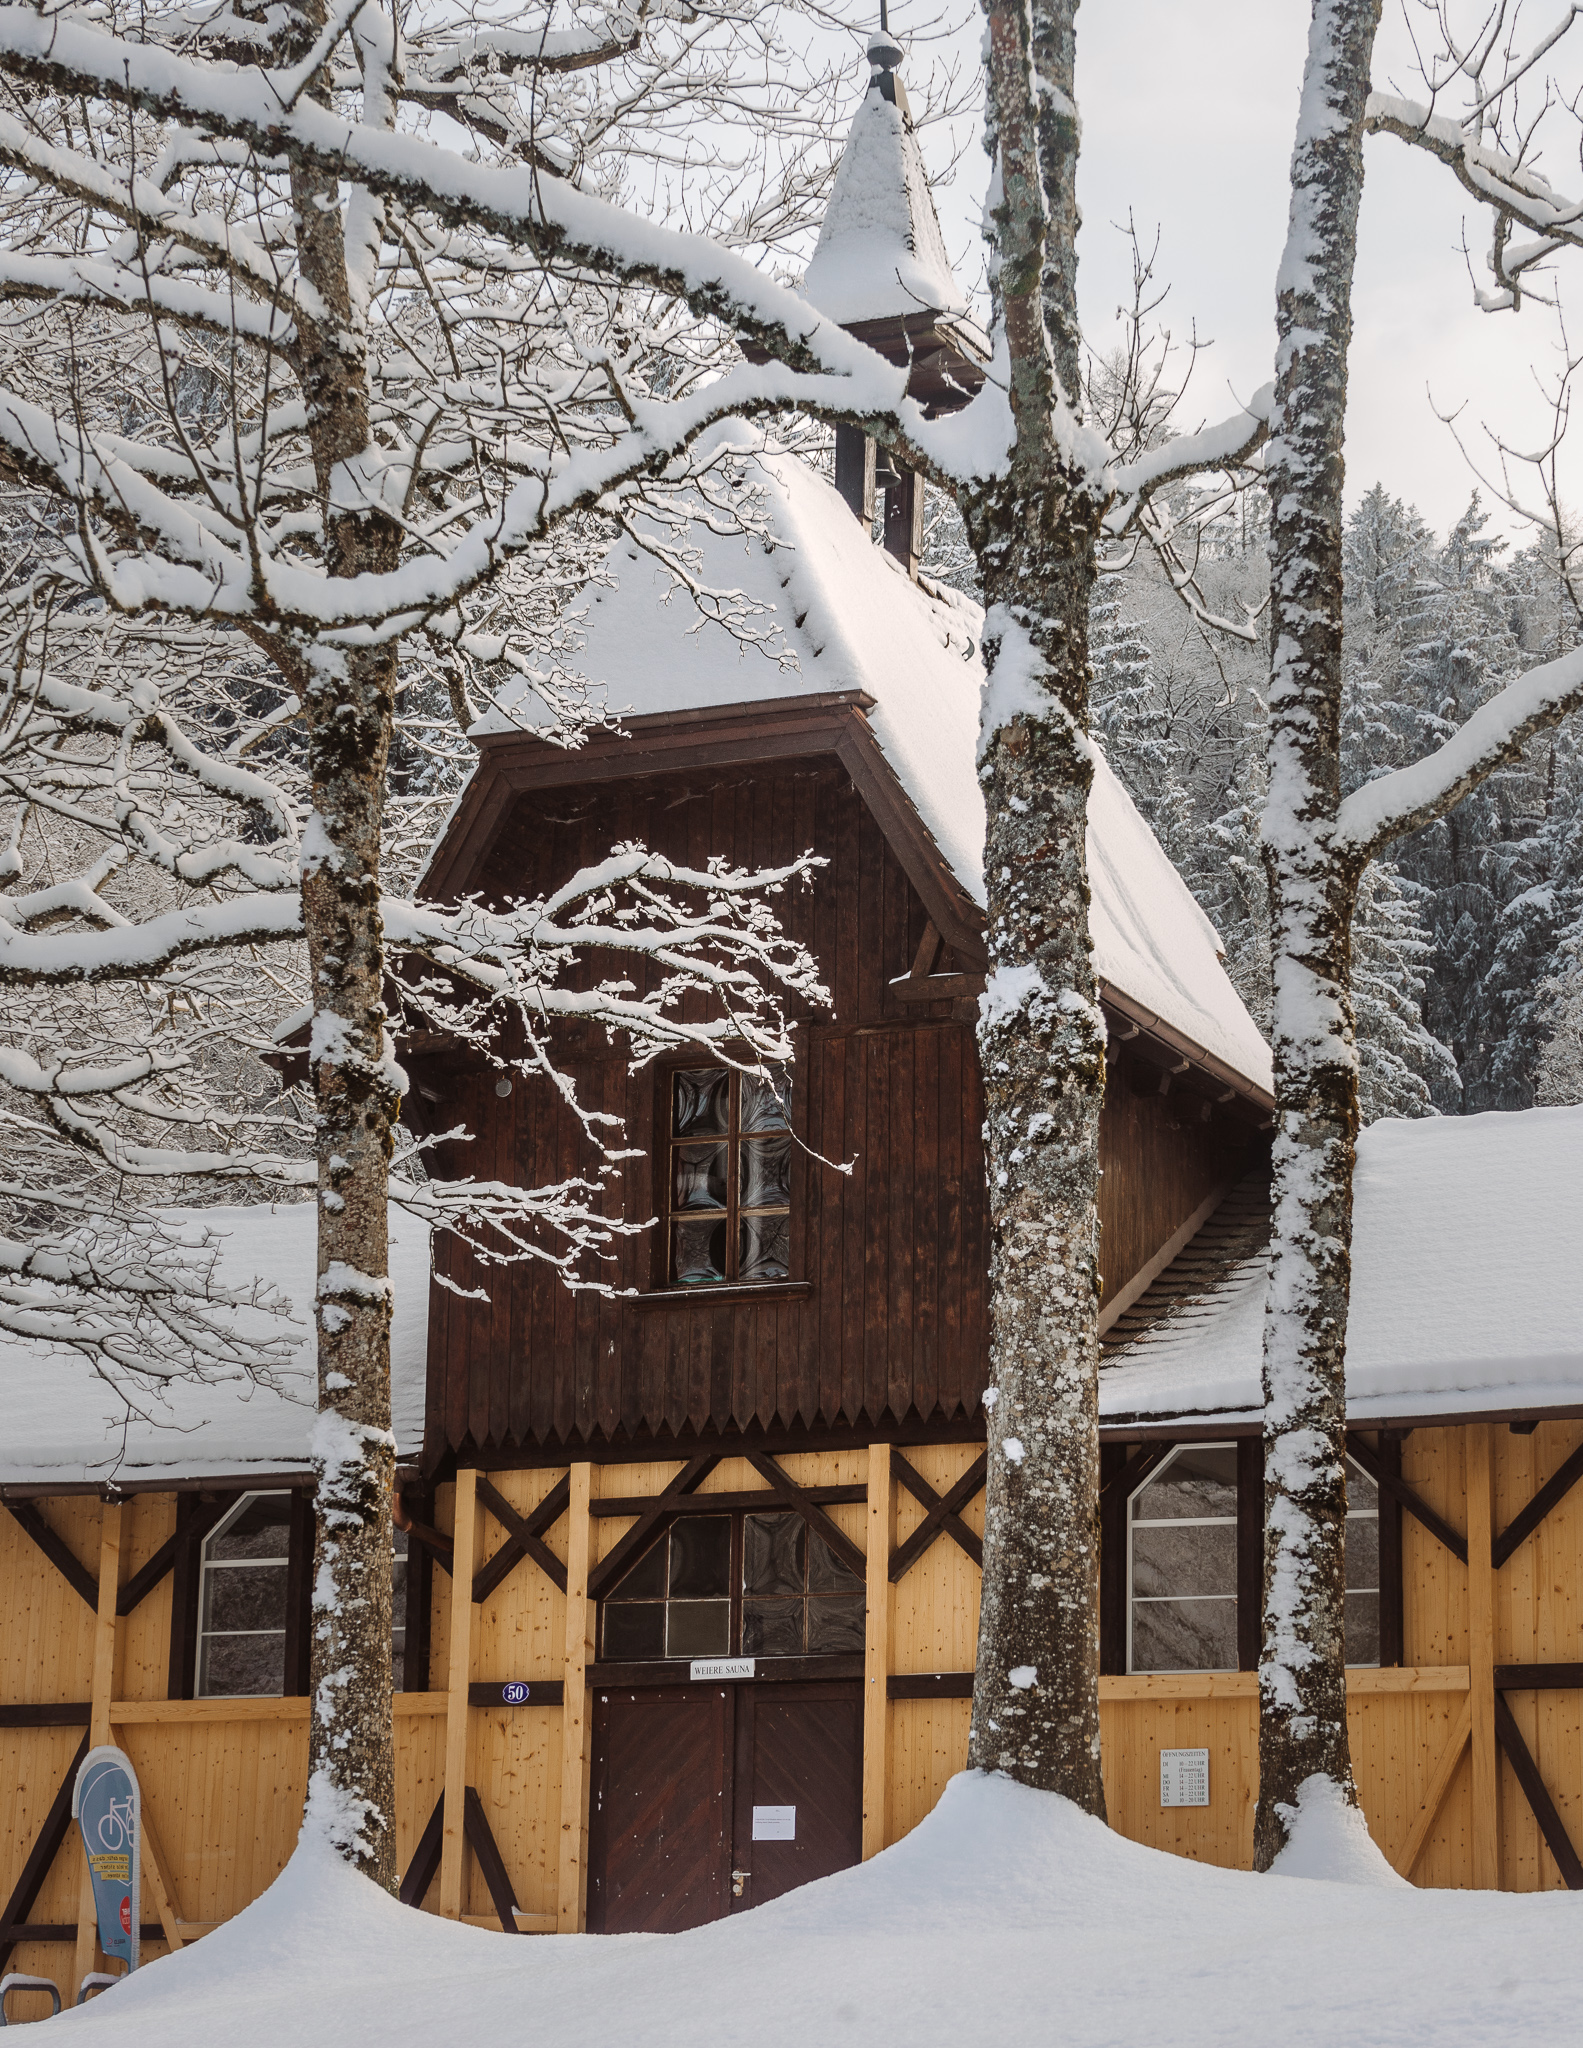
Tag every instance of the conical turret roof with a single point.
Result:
(880, 254)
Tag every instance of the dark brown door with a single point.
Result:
(677, 1773)
(659, 1821)
(799, 1787)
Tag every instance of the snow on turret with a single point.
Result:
(880, 253)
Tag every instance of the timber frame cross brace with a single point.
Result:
(524, 1537)
(1508, 1677)
(942, 1513)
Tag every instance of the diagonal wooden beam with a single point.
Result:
(1365, 1455)
(687, 1481)
(147, 1577)
(490, 1861)
(29, 1516)
(1551, 1825)
(525, 1536)
(1549, 1495)
(425, 1858)
(45, 1849)
(793, 1495)
(438, 1546)
(1434, 1796)
(1129, 1477)
(941, 1517)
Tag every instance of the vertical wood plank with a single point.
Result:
(464, 1543)
(99, 1717)
(1481, 1659)
(876, 1646)
(572, 1897)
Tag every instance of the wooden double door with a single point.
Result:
(712, 1799)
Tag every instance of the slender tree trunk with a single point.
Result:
(1302, 1675)
(349, 699)
(1041, 1036)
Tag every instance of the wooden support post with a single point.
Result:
(576, 1748)
(876, 1645)
(464, 1546)
(99, 1715)
(1481, 1658)
(160, 1886)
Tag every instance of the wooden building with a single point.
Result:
(688, 1585)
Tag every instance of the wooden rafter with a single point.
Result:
(1551, 1825)
(1364, 1454)
(525, 1536)
(30, 1517)
(794, 1496)
(46, 1847)
(622, 1553)
(1550, 1495)
(941, 1514)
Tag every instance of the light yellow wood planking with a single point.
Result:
(1481, 1659)
(465, 1550)
(878, 1542)
(571, 1903)
(1449, 1762)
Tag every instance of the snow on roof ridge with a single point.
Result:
(880, 252)
(854, 620)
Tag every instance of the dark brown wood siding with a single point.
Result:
(883, 1326)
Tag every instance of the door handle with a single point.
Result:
(738, 1879)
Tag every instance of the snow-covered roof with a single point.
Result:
(880, 253)
(63, 1424)
(1467, 1285)
(853, 620)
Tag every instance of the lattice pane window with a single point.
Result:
(676, 1600)
(242, 1599)
(1182, 1564)
(1363, 1567)
(729, 1178)
(798, 1598)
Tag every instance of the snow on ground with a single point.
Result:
(1006, 1918)
(1467, 1283)
(63, 1422)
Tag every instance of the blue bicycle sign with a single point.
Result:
(107, 1806)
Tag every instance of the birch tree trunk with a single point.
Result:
(1041, 1035)
(349, 697)
(1302, 1673)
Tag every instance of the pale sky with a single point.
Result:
(1188, 109)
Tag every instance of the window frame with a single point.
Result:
(286, 1565)
(738, 1518)
(666, 1144)
(1233, 1521)
(1116, 1635)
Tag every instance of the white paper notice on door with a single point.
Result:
(1184, 1777)
(774, 1823)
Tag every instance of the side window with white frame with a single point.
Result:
(1363, 1567)
(1182, 1563)
(242, 1599)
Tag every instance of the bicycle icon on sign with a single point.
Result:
(115, 1826)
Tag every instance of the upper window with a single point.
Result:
(242, 1599)
(762, 1585)
(729, 1178)
(1182, 1564)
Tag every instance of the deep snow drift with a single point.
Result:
(1006, 1918)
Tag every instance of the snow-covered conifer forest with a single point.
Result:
(353, 355)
